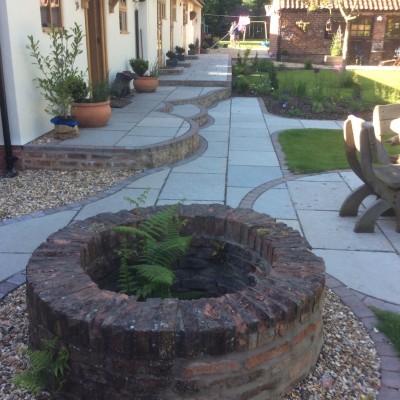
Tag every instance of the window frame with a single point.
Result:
(185, 13)
(123, 17)
(173, 10)
(360, 26)
(47, 8)
(394, 32)
(162, 7)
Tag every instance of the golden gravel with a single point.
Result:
(37, 190)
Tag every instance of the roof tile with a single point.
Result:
(367, 5)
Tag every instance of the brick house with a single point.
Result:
(299, 35)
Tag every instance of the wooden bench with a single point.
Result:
(381, 179)
(395, 62)
(382, 117)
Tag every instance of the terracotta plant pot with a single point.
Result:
(145, 84)
(92, 115)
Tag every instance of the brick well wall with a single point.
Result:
(251, 343)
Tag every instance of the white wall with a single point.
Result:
(26, 106)
(27, 117)
(120, 46)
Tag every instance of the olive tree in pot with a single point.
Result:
(147, 78)
(57, 69)
(91, 111)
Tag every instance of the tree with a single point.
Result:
(256, 6)
(348, 13)
(217, 13)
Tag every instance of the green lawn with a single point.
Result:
(313, 150)
(389, 324)
(317, 150)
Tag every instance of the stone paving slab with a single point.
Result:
(368, 271)
(318, 195)
(24, 237)
(326, 230)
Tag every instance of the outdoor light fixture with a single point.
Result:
(379, 18)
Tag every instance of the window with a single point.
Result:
(362, 27)
(123, 20)
(50, 13)
(161, 10)
(393, 28)
(173, 10)
(185, 14)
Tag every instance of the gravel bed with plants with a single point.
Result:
(348, 366)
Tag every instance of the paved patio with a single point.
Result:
(239, 163)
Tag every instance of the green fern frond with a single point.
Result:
(160, 246)
(156, 274)
(47, 368)
(141, 199)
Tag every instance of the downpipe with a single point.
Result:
(9, 158)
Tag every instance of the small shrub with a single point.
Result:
(294, 112)
(273, 78)
(317, 106)
(241, 84)
(308, 64)
(263, 85)
(179, 50)
(300, 89)
(331, 106)
(265, 65)
(346, 79)
(170, 54)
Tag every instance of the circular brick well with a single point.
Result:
(256, 331)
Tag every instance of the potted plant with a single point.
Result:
(191, 51)
(171, 61)
(147, 78)
(180, 53)
(93, 111)
(57, 70)
(204, 48)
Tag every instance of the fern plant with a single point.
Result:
(146, 271)
(47, 368)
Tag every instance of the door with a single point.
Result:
(160, 16)
(96, 42)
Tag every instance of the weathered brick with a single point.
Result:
(211, 368)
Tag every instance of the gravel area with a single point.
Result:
(348, 366)
(32, 190)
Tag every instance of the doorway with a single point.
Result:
(96, 42)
